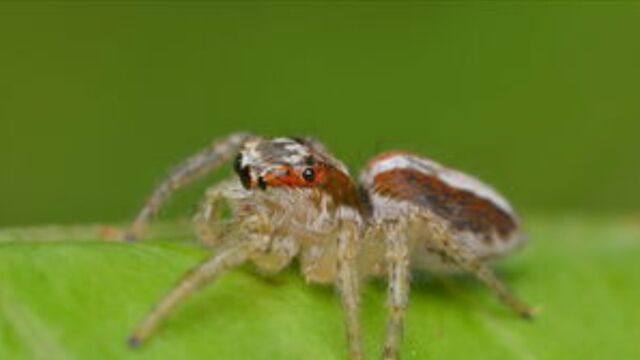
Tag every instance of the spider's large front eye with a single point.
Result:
(237, 163)
(309, 174)
(243, 172)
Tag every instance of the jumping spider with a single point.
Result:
(291, 198)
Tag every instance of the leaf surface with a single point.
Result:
(66, 294)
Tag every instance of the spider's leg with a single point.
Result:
(209, 220)
(397, 257)
(189, 170)
(197, 277)
(441, 241)
(347, 282)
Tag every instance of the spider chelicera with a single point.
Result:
(290, 198)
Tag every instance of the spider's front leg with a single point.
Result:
(242, 243)
(186, 172)
(196, 278)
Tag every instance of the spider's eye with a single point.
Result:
(237, 163)
(243, 172)
(309, 174)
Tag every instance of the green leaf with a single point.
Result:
(66, 294)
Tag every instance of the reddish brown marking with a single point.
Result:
(341, 188)
(327, 178)
(464, 209)
(291, 178)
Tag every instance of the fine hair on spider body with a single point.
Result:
(290, 198)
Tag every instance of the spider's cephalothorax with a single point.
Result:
(295, 163)
(296, 196)
(290, 198)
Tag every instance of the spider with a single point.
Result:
(290, 198)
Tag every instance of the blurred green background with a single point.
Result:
(98, 100)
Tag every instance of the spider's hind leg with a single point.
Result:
(441, 241)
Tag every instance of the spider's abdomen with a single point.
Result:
(401, 184)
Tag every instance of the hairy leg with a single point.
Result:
(347, 281)
(397, 258)
(199, 276)
(441, 241)
(208, 221)
(189, 170)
